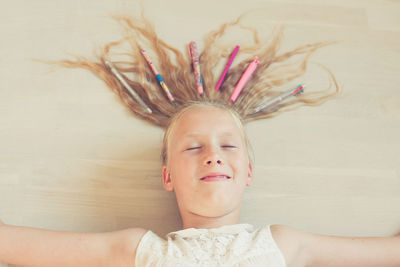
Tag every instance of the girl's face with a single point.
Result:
(206, 141)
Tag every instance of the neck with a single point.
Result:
(192, 220)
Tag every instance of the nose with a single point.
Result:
(212, 162)
(212, 158)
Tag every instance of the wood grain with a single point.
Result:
(73, 158)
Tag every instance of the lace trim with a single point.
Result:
(226, 229)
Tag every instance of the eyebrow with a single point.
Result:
(194, 134)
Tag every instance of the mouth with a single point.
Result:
(215, 178)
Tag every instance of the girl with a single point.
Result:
(206, 162)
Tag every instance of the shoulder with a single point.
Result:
(134, 235)
(126, 246)
(292, 243)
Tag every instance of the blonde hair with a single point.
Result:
(275, 70)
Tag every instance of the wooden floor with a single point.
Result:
(73, 158)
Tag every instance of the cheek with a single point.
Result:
(240, 163)
(187, 160)
(182, 166)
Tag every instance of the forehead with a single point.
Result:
(203, 120)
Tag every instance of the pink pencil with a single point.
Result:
(228, 65)
(158, 76)
(194, 55)
(245, 77)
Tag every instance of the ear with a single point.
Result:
(167, 182)
(250, 174)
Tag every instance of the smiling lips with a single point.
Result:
(214, 177)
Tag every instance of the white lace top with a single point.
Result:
(230, 245)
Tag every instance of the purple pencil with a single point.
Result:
(228, 65)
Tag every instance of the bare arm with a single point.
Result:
(27, 246)
(306, 249)
(353, 251)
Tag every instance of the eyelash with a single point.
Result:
(193, 148)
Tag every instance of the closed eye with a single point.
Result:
(197, 147)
